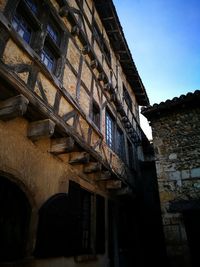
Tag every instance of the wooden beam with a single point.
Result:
(40, 129)
(13, 107)
(62, 145)
(79, 158)
(103, 176)
(92, 167)
(113, 184)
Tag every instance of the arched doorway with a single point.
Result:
(15, 212)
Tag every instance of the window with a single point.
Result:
(109, 130)
(53, 33)
(48, 59)
(131, 157)
(114, 136)
(120, 146)
(96, 114)
(101, 42)
(71, 224)
(22, 27)
(127, 97)
(42, 33)
(32, 6)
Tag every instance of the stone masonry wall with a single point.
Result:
(177, 150)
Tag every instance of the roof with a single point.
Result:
(190, 100)
(111, 23)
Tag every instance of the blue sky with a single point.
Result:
(164, 39)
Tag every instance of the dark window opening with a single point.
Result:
(14, 221)
(67, 222)
(22, 27)
(131, 156)
(48, 59)
(120, 146)
(106, 52)
(97, 32)
(32, 6)
(109, 130)
(127, 97)
(96, 115)
(53, 33)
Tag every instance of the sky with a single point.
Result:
(164, 39)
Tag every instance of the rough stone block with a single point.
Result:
(185, 174)
(195, 173)
(173, 156)
(175, 175)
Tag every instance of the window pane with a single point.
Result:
(120, 144)
(22, 27)
(96, 115)
(109, 131)
(48, 59)
(53, 33)
(32, 6)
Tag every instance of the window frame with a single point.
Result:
(96, 114)
(110, 130)
(114, 133)
(41, 39)
(127, 98)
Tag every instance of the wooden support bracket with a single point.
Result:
(13, 107)
(62, 145)
(102, 176)
(40, 129)
(92, 167)
(79, 158)
(113, 184)
(94, 64)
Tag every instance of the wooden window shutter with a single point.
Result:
(100, 225)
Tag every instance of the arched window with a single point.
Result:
(15, 212)
(67, 223)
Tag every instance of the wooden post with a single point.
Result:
(40, 129)
(13, 107)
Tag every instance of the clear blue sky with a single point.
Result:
(164, 39)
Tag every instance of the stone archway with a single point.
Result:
(15, 215)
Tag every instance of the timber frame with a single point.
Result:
(52, 110)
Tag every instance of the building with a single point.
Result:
(71, 146)
(176, 138)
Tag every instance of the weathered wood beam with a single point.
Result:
(113, 184)
(92, 167)
(103, 176)
(79, 158)
(62, 145)
(13, 107)
(40, 129)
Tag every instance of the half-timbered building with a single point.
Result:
(70, 138)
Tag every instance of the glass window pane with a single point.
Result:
(22, 27)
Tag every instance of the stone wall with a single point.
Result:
(176, 138)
